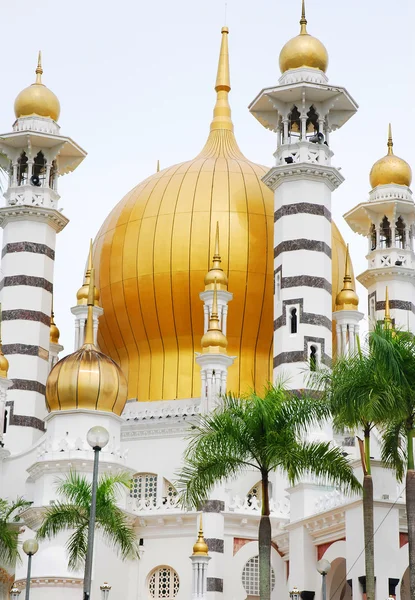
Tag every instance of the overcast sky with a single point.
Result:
(135, 81)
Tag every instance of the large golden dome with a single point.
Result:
(37, 99)
(304, 50)
(390, 168)
(154, 249)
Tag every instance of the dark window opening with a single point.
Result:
(294, 122)
(293, 320)
(22, 169)
(373, 240)
(385, 236)
(400, 233)
(313, 358)
(39, 170)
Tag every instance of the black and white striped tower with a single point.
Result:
(303, 110)
(34, 155)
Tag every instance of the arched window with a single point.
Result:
(22, 169)
(163, 583)
(38, 170)
(373, 240)
(312, 122)
(255, 492)
(293, 320)
(250, 577)
(385, 233)
(169, 492)
(313, 358)
(144, 486)
(294, 122)
(400, 239)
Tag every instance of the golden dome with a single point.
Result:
(37, 99)
(4, 364)
(83, 292)
(304, 50)
(390, 168)
(154, 249)
(200, 548)
(347, 299)
(87, 378)
(216, 274)
(54, 331)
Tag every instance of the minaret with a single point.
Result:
(200, 559)
(80, 311)
(302, 110)
(387, 220)
(35, 155)
(216, 273)
(347, 316)
(214, 360)
(54, 347)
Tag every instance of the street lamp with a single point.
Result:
(323, 567)
(30, 547)
(295, 594)
(105, 590)
(97, 437)
(14, 593)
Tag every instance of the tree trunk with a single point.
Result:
(368, 527)
(410, 509)
(264, 543)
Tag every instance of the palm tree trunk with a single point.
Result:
(368, 528)
(264, 543)
(410, 510)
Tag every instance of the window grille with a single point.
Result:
(163, 583)
(250, 577)
(144, 486)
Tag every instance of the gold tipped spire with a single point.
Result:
(54, 332)
(347, 299)
(4, 363)
(83, 292)
(216, 272)
(390, 140)
(201, 547)
(387, 321)
(39, 70)
(222, 111)
(214, 341)
(89, 329)
(390, 168)
(158, 166)
(303, 20)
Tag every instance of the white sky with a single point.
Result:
(135, 81)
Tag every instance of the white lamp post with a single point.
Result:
(30, 547)
(105, 591)
(295, 594)
(97, 438)
(323, 567)
(14, 593)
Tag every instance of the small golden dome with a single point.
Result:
(347, 299)
(304, 50)
(390, 168)
(83, 292)
(216, 273)
(214, 340)
(54, 331)
(200, 548)
(4, 364)
(87, 378)
(37, 99)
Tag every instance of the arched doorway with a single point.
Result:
(337, 586)
(405, 586)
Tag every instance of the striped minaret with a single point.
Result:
(302, 109)
(35, 155)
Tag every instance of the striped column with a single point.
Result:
(214, 527)
(302, 268)
(26, 294)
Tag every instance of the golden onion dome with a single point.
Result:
(37, 99)
(152, 253)
(4, 364)
(347, 299)
(54, 331)
(390, 168)
(87, 378)
(200, 548)
(304, 50)
(83, 292)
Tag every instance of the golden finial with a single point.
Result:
(387, 321)
(216, 273)
(200, 548)
(39, 70)
(4, 363)
(222, 111)
(347, 299)
(214, 340)
(54, 332)
(158, 166)
(390, 140)
(303, 20)
(89, 329)
(82, 295)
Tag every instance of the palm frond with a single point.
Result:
(394, 454)
(61, 516)
(76, 547)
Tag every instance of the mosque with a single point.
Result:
(213, 275)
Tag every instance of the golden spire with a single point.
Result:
(222, 111)
(390, 140)
(214, 341)
(387, 321)
(83, 292)
(89, 329)
(4, 363)
(216, 272)
(54, 332)
(158, 166)
(39, 70)
(303, 20)
(200, 548)
(347, 299)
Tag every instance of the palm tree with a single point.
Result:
(396, 350)
(266, 434)
(73, 513)
(9, 531)
(355, 392)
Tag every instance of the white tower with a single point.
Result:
(303, 109)
(200, 559)
(35, 155)
(347, 316)
(387, 219)
(80, 311)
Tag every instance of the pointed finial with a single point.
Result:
(54, 332)
(158, 166)
(216, 256)
(89, 329)
(39, 70)
(347, 275)
(89, 258)
(200, 548)
(303, 20)
(347, 299)
(387, 320)
(222, 111)
(216, 272)
(390, 140)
